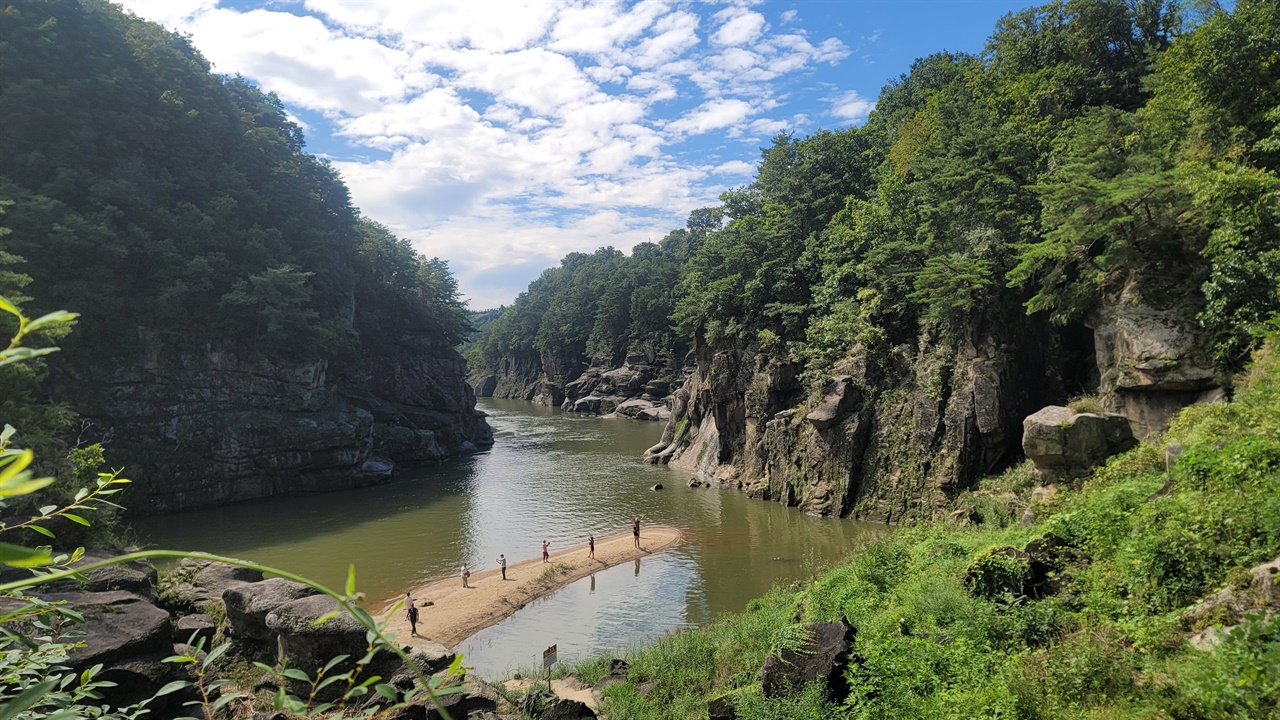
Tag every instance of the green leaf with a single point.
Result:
(7, 433)
(42, 531)
(16, 465)
(12, 310)
(324, 618)
(76, 519)
(386, 691)
(57, 316)
(222, 701)
(351, 580)
(18, 556)
(214, 654)
(174, 686)
(329, 665)
(29, 697)
(22, 353)
(296, 674)
(21, 486)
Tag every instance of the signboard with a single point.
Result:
(549, 657)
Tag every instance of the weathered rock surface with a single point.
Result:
(118, 626)
(190, 629)
(137, 577)
(249, 605)
(202, 427)
(1227, 607)
(888, 437)
(824, 657)
(1065, 444)
(563, 709)
(1153, 361)
(198, 585)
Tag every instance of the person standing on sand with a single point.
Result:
(591, 546)
(502, 560)
(411, 612)
(465, 572)
(544, 551)
(635, 530)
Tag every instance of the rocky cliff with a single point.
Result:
(895, 434)
(639, 388)
(197, 427)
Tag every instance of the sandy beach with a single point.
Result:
(459, 613)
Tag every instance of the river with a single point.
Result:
(549, 475)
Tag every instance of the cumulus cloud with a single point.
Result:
(851, 106)
(512, 132)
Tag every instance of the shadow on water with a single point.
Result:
(553, 476)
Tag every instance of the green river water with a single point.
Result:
(549, 475)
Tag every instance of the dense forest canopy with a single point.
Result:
(148, 193)
(1095, 147)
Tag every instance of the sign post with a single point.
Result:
(549, 659)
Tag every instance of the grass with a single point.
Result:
(1110, 643)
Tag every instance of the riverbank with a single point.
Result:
(458, 612)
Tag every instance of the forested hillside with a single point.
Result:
(1089, 207)
(243, 329)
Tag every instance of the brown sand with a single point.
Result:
(459, 613)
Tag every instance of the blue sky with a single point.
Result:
(501, 135)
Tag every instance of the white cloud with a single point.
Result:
(739, 26)
(734, 167)
(851, 106)
(712, 116)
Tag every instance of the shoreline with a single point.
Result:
(458, 612)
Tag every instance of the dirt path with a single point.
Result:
(459, 613)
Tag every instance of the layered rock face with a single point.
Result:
(638, 389)
(204, 427)
(894, 437)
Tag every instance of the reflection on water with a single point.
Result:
(549, 475)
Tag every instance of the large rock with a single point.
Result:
(118, 626)
(137, 577)
(248, 605)
(823, 658)
(191, 629)
(1230, 605)
(563, 709)
(838, 396)
(640, 409)
(1153, 361)
(198, 585)
(1065, 444)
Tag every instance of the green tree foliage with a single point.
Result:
(154, 194)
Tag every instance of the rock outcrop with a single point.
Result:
(638, 389)
(201, 427)
(893, 433)
(1064, 444)
(1153, 361)
(823, 657)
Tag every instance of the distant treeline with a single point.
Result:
(1095, 146)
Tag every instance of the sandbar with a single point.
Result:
(458, 612)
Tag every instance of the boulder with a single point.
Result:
(563, 709)
(430, 657)
(190, 629)
(721, 708)
(823, 658)
(248, 605)
(639, 409)
(118, 626)
(1064, 444)
(137, 577)
(199, 584)
(656, 487)
(695, 482)
(137, 678)
(1230, 605)
(309, 646)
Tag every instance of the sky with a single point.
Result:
(500, 135)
